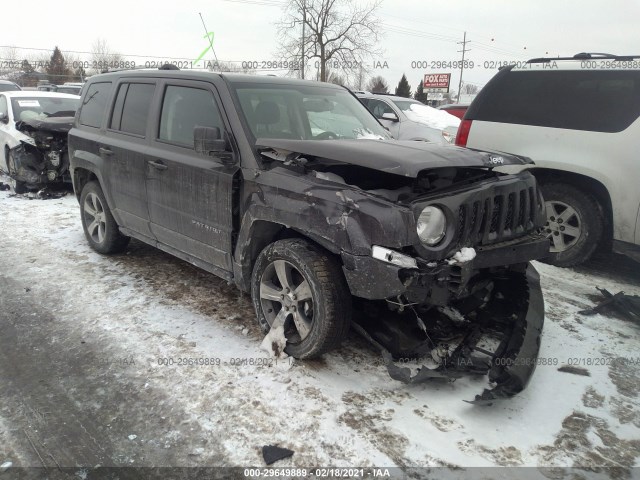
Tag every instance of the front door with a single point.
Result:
(190, 195)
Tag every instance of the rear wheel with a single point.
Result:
(302, 288)
(574, 224)
(98, 223)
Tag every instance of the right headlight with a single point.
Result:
(431, 226)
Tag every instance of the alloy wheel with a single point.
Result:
(286, 299)
(563, 227)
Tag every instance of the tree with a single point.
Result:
(338, 33)
(403, 89)
(102, 58)
(469, 89)
(420, 94)
(378, 85)
(28, 78)
(336, 79)
(57, 69)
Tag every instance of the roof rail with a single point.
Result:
(587, 56)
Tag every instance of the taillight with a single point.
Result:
(463, 133)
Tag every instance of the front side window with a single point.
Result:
(94, 104)
(379, 108)
(184, 108)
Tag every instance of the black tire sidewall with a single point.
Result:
(17, 186)
(591, 220)
(323, 332)
(113, 241)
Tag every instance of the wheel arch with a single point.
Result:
(258, 235)
(82, 176)
(587, 184)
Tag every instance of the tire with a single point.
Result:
(314, 324)
(16, 185)
(99, 226)
(574, 224)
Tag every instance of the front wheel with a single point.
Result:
(98, 223)
(16, 185)
(574, 224)
(298, 286)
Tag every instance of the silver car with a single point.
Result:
(409, 119)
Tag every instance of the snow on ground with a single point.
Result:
(97, 362)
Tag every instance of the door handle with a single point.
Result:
(105, 151)
(158, 165)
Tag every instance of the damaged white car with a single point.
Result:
(33, 137)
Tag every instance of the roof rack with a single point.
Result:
(587, 56)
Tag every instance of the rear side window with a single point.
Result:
(184, 108)
(94, 104)
(131, 108)
(599, 101)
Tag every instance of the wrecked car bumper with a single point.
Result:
(380, 278)
(517, 312)
(499, 294)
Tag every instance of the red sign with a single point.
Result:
(437, 82)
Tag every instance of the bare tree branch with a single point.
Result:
(340, 34)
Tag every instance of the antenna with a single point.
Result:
(210, 41)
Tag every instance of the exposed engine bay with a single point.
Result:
(44, 159)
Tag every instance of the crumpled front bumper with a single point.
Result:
(517, 310)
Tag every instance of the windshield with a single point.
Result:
(8, 87)
(27, 108)
(305, 113)
(405, 105)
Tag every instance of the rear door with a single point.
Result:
(190, 195)
(124, 147)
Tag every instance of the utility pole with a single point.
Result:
(464, 50)
(304, 21)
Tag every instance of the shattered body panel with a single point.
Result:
(42, 157)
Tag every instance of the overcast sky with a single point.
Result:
(414, 30)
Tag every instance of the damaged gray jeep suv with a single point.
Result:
(293, 191)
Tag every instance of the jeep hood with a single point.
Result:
(406, 158)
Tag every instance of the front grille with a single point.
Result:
(497, 217)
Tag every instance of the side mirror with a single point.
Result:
(390, 116)
(208, 140)
(4, 117)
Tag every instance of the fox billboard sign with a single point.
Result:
(437, 82)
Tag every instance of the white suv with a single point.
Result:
(578, 119)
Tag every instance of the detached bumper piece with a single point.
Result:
(494, 332)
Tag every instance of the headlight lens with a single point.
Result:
(432, 225)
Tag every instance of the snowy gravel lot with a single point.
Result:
(82, 384)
